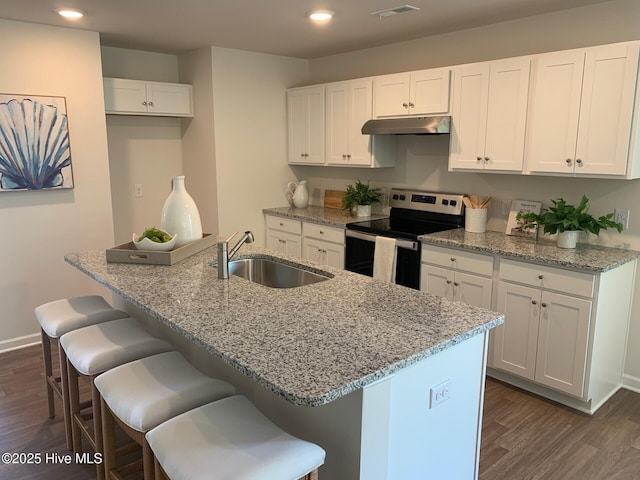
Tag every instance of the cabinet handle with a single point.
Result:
(448, 282)
(282, 241)
(579, 162)
(533, 302)
(479, 159)
(321, 232)
(281, 224)
(486, 159)
(411, 105)
(453, 259)
(349, 156)
(456, 284)
(405, 105)
(543, 305)
(151, 104)
(568, 160)
(540, 277)
(144, 103)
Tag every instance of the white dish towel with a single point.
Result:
(384, 259)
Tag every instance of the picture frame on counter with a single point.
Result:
(515, 226)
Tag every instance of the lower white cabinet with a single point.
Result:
(284, 235)
(457, 275)
(544, 337)
(323, 244)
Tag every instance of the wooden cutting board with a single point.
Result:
(333, 198)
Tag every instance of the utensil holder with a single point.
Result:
(475, 220)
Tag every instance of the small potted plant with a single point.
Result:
(361, 196)
(568, 221)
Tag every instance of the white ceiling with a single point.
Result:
(272, 26)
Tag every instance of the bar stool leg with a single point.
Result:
(108, 439)
(66, 408)
(147, 461)
(97, 426)
(48, 371)
(74, 407)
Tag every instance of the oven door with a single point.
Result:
(359, 252)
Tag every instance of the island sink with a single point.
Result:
(274, 273)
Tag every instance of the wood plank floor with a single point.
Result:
(524, 437)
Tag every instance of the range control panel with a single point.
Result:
(450, 203)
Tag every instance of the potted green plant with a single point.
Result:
(361, 196)
(568, 221)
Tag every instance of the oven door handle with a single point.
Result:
(400, 243)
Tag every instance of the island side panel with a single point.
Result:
(424, 440)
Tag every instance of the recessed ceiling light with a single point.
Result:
(320, 15)
(71, 13)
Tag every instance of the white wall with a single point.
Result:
(39, 228)
(249, 130)
(142, 150)
(422, 161)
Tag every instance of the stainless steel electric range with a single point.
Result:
(413, 213)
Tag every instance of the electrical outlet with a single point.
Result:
(137, 189)
(440, 393)
(622, 216)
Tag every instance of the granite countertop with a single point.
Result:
(314, 213)
(585, 257)
(310, 345)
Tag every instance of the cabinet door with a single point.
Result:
(337, 122)
(506, 115)
(516, 340)
(469, 117)
(305, 120)
(360, 110)
(429, 92)
(554, 111)
(285, 243)
(325, 253)
(169, 99)
(437, 281)
(562, 342)
(606, 110)
(124, 96)
(391, 95)
(472, 289)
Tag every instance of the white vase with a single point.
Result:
(180, 215)
(568, 239)
(299, 194)
(363, 211)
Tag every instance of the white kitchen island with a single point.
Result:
(388, 380)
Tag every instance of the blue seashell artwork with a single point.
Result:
(34, 143)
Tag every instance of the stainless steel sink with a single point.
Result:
(273, 273)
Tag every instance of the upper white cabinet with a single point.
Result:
(305, 119)
(489, 115)
(348, 107)
(423, 92)
(582, 110)
(135, 97)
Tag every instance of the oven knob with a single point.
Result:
(445, 202)
(395, 196)
(402, 197)
(453, 203)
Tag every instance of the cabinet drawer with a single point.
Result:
(284, 224)
(477, 263)
(322, 232)
(567, 281)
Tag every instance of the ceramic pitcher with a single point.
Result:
(298, 194)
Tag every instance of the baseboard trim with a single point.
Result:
(631, 383)
(19, 342)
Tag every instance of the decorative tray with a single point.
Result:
(128, 253)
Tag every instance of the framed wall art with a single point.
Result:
(34, 143)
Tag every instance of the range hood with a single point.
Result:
(407, 126)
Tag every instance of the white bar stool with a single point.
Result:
(93, 350)
(57, 318)
(231, 440)
(142, 394)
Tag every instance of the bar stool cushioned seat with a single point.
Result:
(93, 350)
(231, 440)
(57, 318)
(147, 392)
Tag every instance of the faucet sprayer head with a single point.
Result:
(249, 235)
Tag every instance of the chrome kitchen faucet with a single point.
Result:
(224, 255)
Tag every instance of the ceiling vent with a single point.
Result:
(395, 11)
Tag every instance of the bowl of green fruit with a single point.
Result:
(154, 239)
